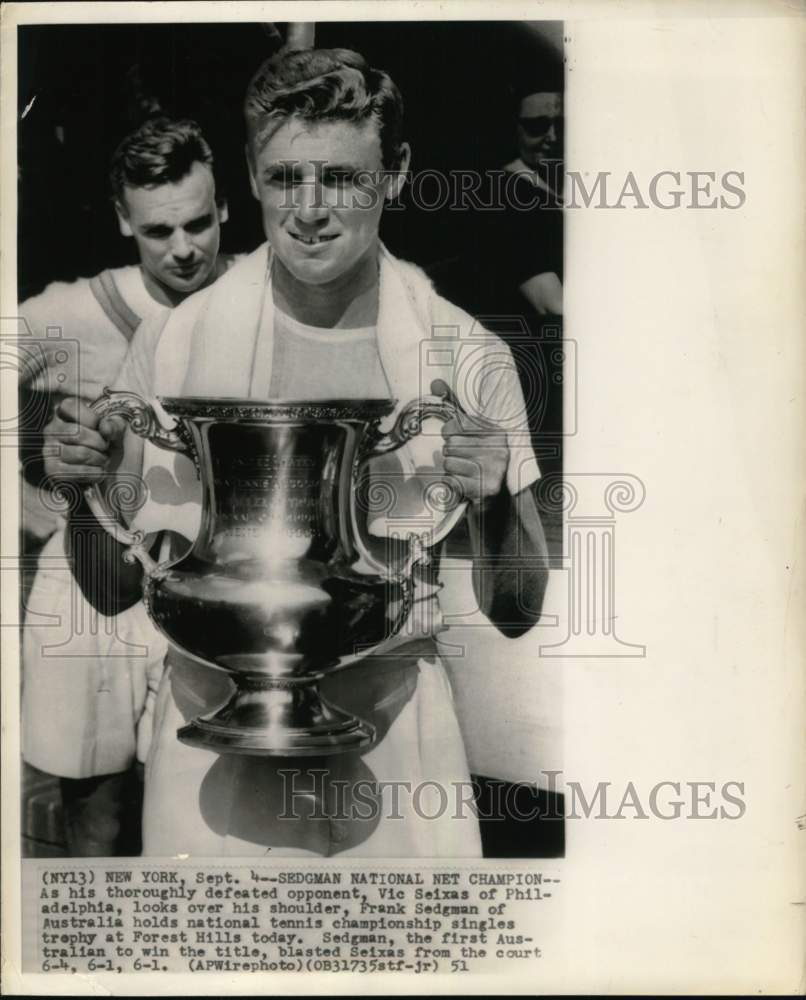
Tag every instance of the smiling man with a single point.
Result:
(81, 706)
(321, 311)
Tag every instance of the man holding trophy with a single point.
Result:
(263, 414)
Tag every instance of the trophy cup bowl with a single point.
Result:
(279, 586)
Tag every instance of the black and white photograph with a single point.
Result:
(272, 673)
(401, 497)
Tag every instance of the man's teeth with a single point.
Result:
(311, 240)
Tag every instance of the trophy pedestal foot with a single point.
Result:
(278, 718)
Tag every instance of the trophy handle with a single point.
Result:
(142, 419)
(445, 406)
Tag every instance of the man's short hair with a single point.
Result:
(324, 85)
(161, 151)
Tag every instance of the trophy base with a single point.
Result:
(278, 718)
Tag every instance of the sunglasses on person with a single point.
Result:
(535, 127)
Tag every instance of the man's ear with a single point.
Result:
(223, 210)
(123, 219)
(250, 166)
(396, 180)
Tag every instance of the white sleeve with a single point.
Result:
(485, 378)
(68, 345)
(501, 402)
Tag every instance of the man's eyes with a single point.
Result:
(341, 177)
(282, 178)
(329, 177)
(164, 232)
(199, 225)
(540, 125)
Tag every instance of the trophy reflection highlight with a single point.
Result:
(280, 586)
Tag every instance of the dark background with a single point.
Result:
(89, 85)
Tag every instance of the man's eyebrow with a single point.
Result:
(345, 168)
(169, 226)
(320, 165)
(279, 165)
(205, 217)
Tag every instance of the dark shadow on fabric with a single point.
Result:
(245, 797)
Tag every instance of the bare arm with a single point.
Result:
(83, 450)
(96, 559)
(510, 568)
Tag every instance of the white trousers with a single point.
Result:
(85, 676)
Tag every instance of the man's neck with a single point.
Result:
(349, 302)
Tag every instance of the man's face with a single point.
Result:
(540, 128)
(177, 228)
(321, 188)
